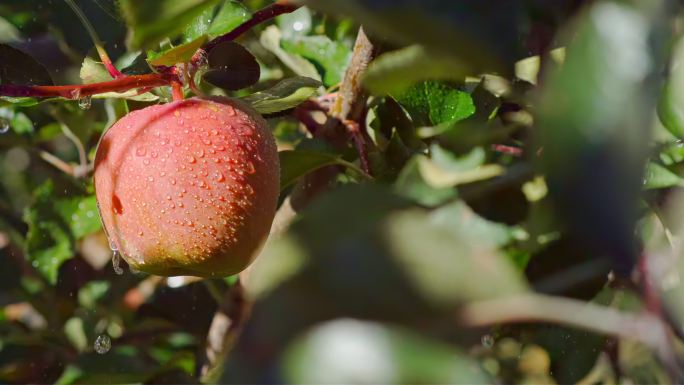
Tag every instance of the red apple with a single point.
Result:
(189, 187)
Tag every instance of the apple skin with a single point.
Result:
(189, 187)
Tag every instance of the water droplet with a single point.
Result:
(218, 176)
(102, 344)
(140, 233)
(249, 167)
(146, 162)
(173, 180)
(192, 159)
(200, 153)
(154, 154)
(487, 341)
(230, 111)
(4, 125)
(85, 102)
(116, 261)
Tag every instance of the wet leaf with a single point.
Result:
(154, 20)
(178, 54)
(231, 67)
(287, 94)
(20, 68)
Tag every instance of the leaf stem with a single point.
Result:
(99, 45)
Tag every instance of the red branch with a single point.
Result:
(121, 84)
(266, 13)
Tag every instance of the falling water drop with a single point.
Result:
(102, 344)
(85, 102)
(4, 125)
(116, 261)
(487, 341)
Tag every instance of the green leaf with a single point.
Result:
(231, 15)
(658, 176)
(287, 94)
(329, 56)
(671, 102)
(199, 26)
(151, 21)
(394, 72)
(432, 102)
(93, 72)
(296, 163)
(54, 227)
(271, 40)
(178, 54)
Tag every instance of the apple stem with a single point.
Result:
(177, 91)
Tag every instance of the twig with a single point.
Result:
(264, 14)
(82, 170)
(57, 162)
(226, 325)
(645, 328)
(121, 84)
(348, 108)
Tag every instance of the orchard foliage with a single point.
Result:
(470, 192)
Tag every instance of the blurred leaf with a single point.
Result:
(271, 40)
(431, 103)
(491, 34)
(151, 21)
(287, 94)
(54, 227)
(394, 72)
(594, 152)
(357, 352)
(178, 54)
(671, 102)
(330, 57)
(18, 68)
(411, 184)
(231, 67)
(459, 217)
(296, 163)
(295, 24)
(658, 176)
(8, 32)
(73, 329)
(446, 263)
